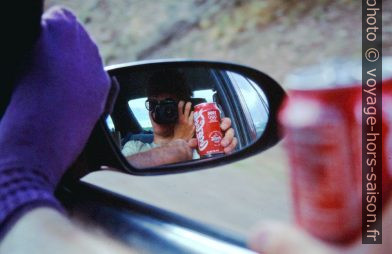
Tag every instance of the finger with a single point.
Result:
(226, 123)
(180, 110)
(228, 138)
(188, 106)
(192, 143)
(190, 119)
(231, 147)
(274, 238)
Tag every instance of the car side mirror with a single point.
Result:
(152, 89)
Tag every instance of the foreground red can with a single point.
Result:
(322, 121)
(208, 132)
(387, 118)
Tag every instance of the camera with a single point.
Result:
(166, 112)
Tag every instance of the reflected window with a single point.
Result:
(112, 130)
(253, 101)
(140, 112)
(206, 94)
(110, 123)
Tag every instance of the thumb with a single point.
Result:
(192, 143)
(274, 238)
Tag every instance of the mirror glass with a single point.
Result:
(159, 113)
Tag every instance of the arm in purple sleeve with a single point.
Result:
(53, 109)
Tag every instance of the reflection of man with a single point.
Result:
(173, 142)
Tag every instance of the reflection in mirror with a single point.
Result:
(168, 116)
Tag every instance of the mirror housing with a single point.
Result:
(104, 147)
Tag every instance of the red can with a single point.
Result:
(208, 132)
(322, 122)
(387, 118)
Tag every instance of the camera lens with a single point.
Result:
(169, 112)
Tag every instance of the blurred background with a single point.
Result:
(274, 36)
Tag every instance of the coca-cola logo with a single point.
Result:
(216, 137)
(199, 124)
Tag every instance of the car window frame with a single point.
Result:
(144, 227)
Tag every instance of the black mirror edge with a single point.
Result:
(110, 155)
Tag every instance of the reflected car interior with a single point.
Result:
(237, 97)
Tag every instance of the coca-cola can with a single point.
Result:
(208, 132)
(387, 126)
(322, 122)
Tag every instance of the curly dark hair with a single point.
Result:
(168, 81)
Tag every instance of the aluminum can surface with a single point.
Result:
(387, 119)
(322, 122)
(208, 132)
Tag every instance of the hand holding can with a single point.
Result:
(208, 132)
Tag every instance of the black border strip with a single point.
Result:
(372, 122)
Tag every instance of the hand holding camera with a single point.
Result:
(184, 128)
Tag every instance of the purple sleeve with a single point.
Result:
(22, 190)
(54, 107)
